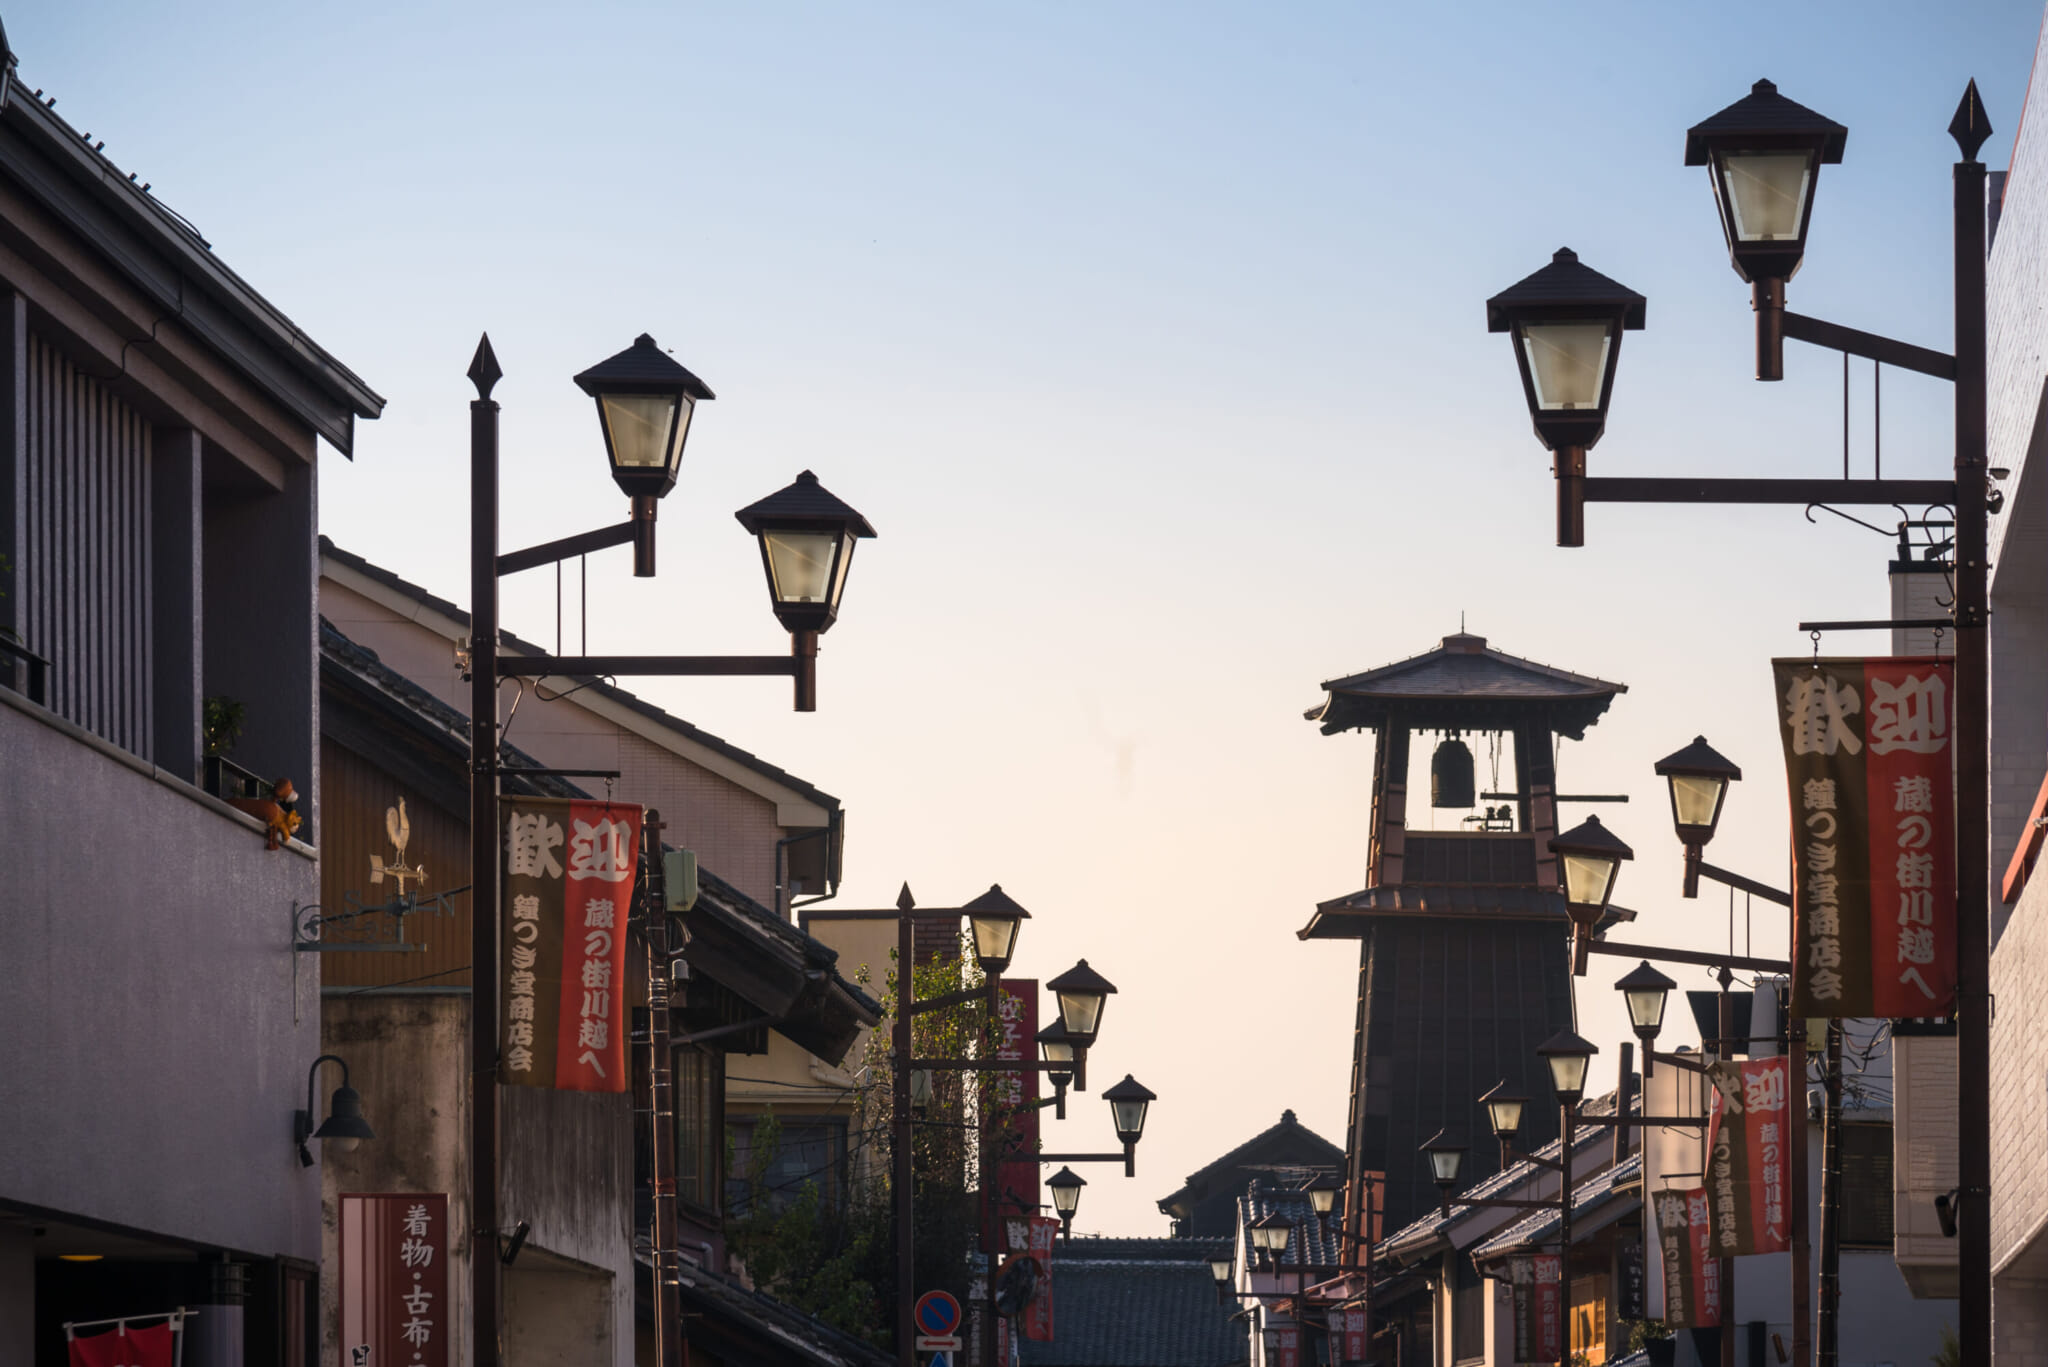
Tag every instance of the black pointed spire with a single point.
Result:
(1969, 127)
(904, 901)
(483, 368)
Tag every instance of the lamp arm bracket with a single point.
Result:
(1742, 884)
(1076, 1157)
(548, 552)
(990, 1065)
(1689, 956)
(598, 666)
(1630, 489)
(1869, 345)
(963, 998)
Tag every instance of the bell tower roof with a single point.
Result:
(1465, 684)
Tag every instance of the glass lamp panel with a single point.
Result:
(994, 937)
(1586, 878)
(1766, 193)
(1506, 1115)
(1057, 1051)
(1694, 800)
(1568, 1073)
(800, 564)
(1646, 1009)
(1323, 1199)
(1081, 1012)
(1444, 1164)
(839, 574)
(1128, 1118)
(1567, 363)
(1219, 1268)
(1064, 1199)
(640, 426)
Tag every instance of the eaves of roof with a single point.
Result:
(459, 620)
(165, 258)
(771, 1331)
(1597, 1202)
(1288, 1128)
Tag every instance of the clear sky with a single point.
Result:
(1151, 339)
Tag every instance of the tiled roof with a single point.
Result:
(754, 1330)
(1138, 1303)
(1288, 1132)
(1588, 1198)
(1311, 1241)
(1464, 683)
(1348, 917)
(790, 939)
(602, 689)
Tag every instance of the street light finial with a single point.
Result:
(483, 367)
(1969, 127)
(904, 901)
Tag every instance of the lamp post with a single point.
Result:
(1591, 856)
(645, 402)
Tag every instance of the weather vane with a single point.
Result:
(400, 830)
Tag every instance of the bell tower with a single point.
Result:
(1464, 956)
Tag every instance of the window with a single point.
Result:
(773, 1159)
(700, 1126)
(1867, 1186)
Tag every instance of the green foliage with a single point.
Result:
(221, 725)
(1951, 1354)
(801, 1251)
(1641, 1332)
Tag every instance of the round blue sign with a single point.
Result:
(937, 1313)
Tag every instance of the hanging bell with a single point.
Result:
(1450, 776)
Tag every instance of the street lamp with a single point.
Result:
(1066, 1187)
(644, 402)
(1504, 1113)
(1645, 990)
(1765, 153)
(1058, 1050)
(1127, 1103)
(1568, 1056)
(1270, 1234)
(1220, 1269)
(1698, 777)
(1591, 855)
(1567, 320)
(995, 920)
(1081, 991)
(1445, 1161)
(344, 1122)
(807, 535)
(1322, 1189)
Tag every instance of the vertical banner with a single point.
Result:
(1628, 1275)
(394, 1280)
(1038, 1314)
(1692, 1276)
(568, 886)
(1873, 813)
(1016, 1190)
(1748, 1160)
(1549, 1305)
(1522, 1281)
(1355, 1335)
(1287, 1347)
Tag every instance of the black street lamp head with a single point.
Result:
(1590, 856)
(1445, 1160)
(1220, 1269)
(1698, 776)
(1645, 990)
(1765, 153)
(1081, 992)
(644, 402)
(1322, 1189)
(344, 1123)
(995, 919)
(1568, 1057)
(1065, 1186)
(1057, 1048)
(1504, 1111)
(1127, 1102)
(807, 535)
(1567, 320)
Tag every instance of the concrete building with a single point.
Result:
(160, 422)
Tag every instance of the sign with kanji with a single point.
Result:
(570, 871)
(1038, 1314)
(1749, 1157)
(1016, 1188)
(1548, 1302)
(1692, 1276)
(1286, 1347)
(394, 1278)
(1628, 1275)
(1522, 1282)
(1356, 1339)
(1868, 759)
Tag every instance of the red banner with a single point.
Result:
(569, 879)
(1692, 1276)
(1038, 1314)
(1017, 1190)
(1548, 1303)
(394, 1279)
(1286, 1343)
(1355, 1343)
(1748, 1157)
(124, 1347)
(1873, 803)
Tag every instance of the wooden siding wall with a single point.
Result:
(84, 572)
(354, 797)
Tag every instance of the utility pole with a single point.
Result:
(1828, 1336)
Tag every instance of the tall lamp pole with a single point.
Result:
(645, 401)
(1764, 154)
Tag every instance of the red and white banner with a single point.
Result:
(1549, 1306)
(1038, 1314)
(1355, 1343)
(1286, 1347)
(570, 870)
(394, 1279)
(124, 1347)
(1868, 760)
(1016, 1191)
(1692, 1275)
(1749, 1157)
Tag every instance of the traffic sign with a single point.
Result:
(937, 1315)
(940, 1344)
(941, 1359)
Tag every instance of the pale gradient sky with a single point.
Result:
(1151, 339)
